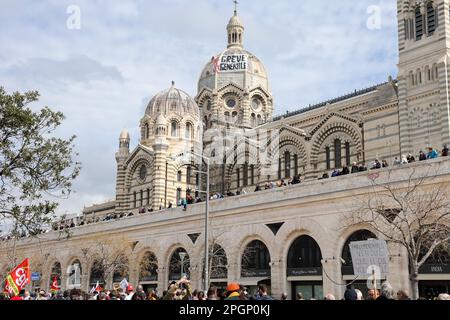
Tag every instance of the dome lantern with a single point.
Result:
(235, 31)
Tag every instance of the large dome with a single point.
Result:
(172, 101)
(255, 74)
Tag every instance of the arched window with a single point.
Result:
(347, 264)
(147, 131)
(279, 169)
(56, 274)
(245, 175)
(74, 273)
(337, 153)
(253, 120)
(255, 260)
(411, 79)
(174, 129)
(188, 131)
(179, 196)
(428, 73)
(419, 24)
(218, 262)
(431, 19)
(287, 164)
(134, 199)
(148, 268)
(304, 253)
(121, 270)
(238, 176)
(97, 274)
(295, 164)
(252, 169)
(347, 153)
(141, 199)
(188, 175)
(148, 196)
(436, 72)
(305, 259)
(179, 265)
(328, 157)
(419, 73)
(179, 176)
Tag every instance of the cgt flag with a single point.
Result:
(18, 278)
(55, 286)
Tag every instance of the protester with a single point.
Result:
(373, 294)
(212, 294)
(432, 154)
(445, 151)
(350, 294)
(329, 296)
(262, 293)
(402, 295)
(233, 292)
(387, 292)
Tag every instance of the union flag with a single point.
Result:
(55, 286)
(18, 278)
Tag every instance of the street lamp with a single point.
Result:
(183, 156)
(182, 256)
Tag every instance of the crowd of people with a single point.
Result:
(181, 290)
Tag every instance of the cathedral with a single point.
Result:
(188, 145)
(401, 116)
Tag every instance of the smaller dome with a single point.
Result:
(124, 135)
(172, 101)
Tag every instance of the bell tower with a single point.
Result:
(424, 44)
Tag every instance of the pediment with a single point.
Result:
(334, 117)
(140, 152)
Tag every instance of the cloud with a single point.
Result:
(76, 68)
(103, 75)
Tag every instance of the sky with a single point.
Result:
(101, 61)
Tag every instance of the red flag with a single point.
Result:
(216, 64)
(98, 288)
(55, 286)
(18, 278)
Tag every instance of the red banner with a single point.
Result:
(18, 278)
(55, 286)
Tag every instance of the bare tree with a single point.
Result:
(107, 258)
(413, 213)
(148, 266)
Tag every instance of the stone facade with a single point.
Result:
(400, 116)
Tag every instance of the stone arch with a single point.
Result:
(135, 164)
(246, 256)
(296, 259)
(172, 262)
(74, 277)
(151, 266)
(332, 128)
(99, 275)
(255, 232)
(304, 226)
(221, 259)
(293, 144)
(56, 270)
(240, 157)
(338, 245)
